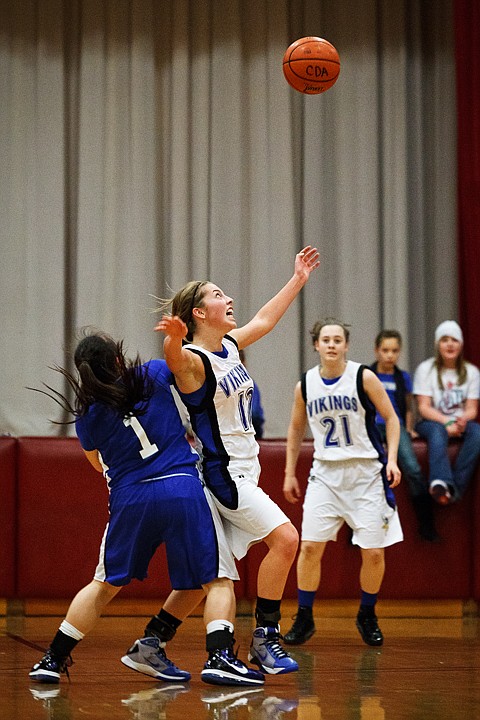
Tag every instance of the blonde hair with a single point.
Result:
(460, 367)
(182, 303)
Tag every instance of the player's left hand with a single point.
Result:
(306, 260)
(172, 326)
(393, 474)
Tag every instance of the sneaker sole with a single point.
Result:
(442, 498)
(365, 640)
(440, 494)
(148, 670)
(304, 638)
(45, 676)
(219, 677)
(270, 670)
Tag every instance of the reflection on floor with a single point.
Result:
(429, 667)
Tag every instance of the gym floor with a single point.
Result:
(428, 668)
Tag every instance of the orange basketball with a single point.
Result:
(311, 65)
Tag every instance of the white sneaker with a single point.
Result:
(440, 492)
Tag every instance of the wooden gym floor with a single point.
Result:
(428, 669)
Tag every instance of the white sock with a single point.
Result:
(68, 629)
(219, 625)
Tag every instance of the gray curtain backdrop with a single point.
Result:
(144, 144)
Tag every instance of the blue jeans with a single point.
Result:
(437, 438)
(407, 461)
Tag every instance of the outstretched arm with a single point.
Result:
(185, 365)
(267, 317)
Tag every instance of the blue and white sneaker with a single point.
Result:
(268, 654)
(224, 668)
(49, 668)
(147, 656)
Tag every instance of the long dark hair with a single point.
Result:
(104, 375)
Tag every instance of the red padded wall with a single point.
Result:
(341, 562)
(415, 569)
(421, 570)
(62, 513)
(59, 510)
(475, 569)
(8, 452)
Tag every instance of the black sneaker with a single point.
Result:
(368, 628)
(301, 630)
(50, 667)
(224, 668)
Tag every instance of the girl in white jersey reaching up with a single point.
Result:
(217, 391)
(351, 479)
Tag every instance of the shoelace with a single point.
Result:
(164, 657)
(371, 623)
(68, 662)
(274, 646)
(233, 655)
(63, 664)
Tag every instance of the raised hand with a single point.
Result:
(172, 326)
(306, 260)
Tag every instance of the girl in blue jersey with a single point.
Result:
(217, 390)
(129, 427)
(351, 479)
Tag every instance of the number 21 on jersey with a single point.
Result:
(337, 433)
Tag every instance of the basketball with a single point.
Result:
(311, 65)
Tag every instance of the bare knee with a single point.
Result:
(222, 584)
(373, 556)
(311, 551)
(104, 590)
(284, 540)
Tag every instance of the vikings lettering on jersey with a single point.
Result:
(341, 417)
(335, 402)
(233, 379)
(221, 418)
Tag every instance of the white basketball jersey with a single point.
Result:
(224, 422)
(341, 416)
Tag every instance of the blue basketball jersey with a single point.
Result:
(134, 449)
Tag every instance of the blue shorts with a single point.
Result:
(171, 510)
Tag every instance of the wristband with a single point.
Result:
(448, 423)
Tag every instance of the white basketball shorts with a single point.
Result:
(350, 491)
